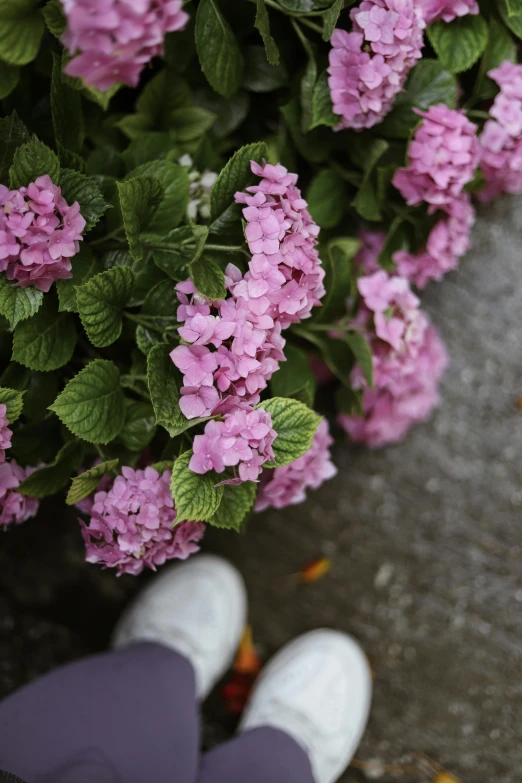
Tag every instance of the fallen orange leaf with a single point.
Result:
(315, 570)
(247, 660)
(445, 777)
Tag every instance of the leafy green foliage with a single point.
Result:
(13, 134)
(175, 183)
(92, 405)
(9, 78)
(47, 340)
(322, 111)
(362, 354)
(77, 187)
(294, 377)
(236, 504)
(54, 18)
(164, 382)
(261, 75)
(325, 196)
(101, 301)
(13, 401)
(196, 497)
(295, 425)
(338, 263)
(139, 200)
(66, 111)
(218, 50)
(139, 427)
(330, 18)
(21, 30)
(460, 43)
(84, 267)
(262, 23)
(33, 160)
(234, 176)
(512, 20)
(501, 47)
(17, 304)
(208, 277)
(51, 478)
(85, 484)
(366, 202)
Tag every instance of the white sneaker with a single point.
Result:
(318, 690)
(197, 608)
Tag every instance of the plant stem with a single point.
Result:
(113, 235)
(225, 248)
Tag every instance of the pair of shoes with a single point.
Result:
(317, 689)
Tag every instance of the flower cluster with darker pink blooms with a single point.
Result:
(235, 344)
(39, 234)
(114, 39)
(446, 10)
(369, 66)
(408, 361)
(15, 508)
(5, 433)
(133, 523)
(501, 139)
(287, 485)
(442, 159)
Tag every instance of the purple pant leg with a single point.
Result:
(122, 717)
(259, 756)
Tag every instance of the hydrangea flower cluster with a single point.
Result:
(39, 234)
(443, 157)
(283, 282)
(409, 359)
(201, 184)
(372, 243)
(287, 485)
(116, 38)
(5, 433)
(447, 10)
(369, 66)
(15, 508)
(447, 242)
(133, 524)
(501, 139)
(244, 438)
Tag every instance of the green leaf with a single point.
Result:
(164, 381)
(54, 18)
(21, 30)
(147, 339)
(312, 146)
(139, 199)
(66, 111)
(303, 7)
(366, 202)
(47, 340)
(330, 18)
(262, 24)
(261, 75)
(86, 483)
(236, 503)
(84, 266)
(322, 110)
(161, 301)
(195, 496)
(17, 304)
(164, 94)
(208, 277)
(13, 134)
(429, 83)
(294, 377)
(362, 353)
(295, 425)
(13, 401)
(234, 176)
(77, 187)
(325, 196)
(15, 377)
(92, 405)
(218, 50)
(460, 43)
(229, 113)
(335, 353)
(41, 392)
(513, 21)
(174, 180)
(9, 78)
(139, 427)
(338, 265)
(101, 301)
(501, 47)
(190, 124)
(308, 80)
(51, 478)
(33, 160)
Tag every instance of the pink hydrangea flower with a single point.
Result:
(236, 344)
(5, 433)
(447, 10)
(14, 507)
(243, 439)
(501, 139)
(372, 243)
(114, 39)
(39, 234)
(447, 242)
(443, 157)
(369, 66)
(133, 524)
(287, 485)
(406, 370)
